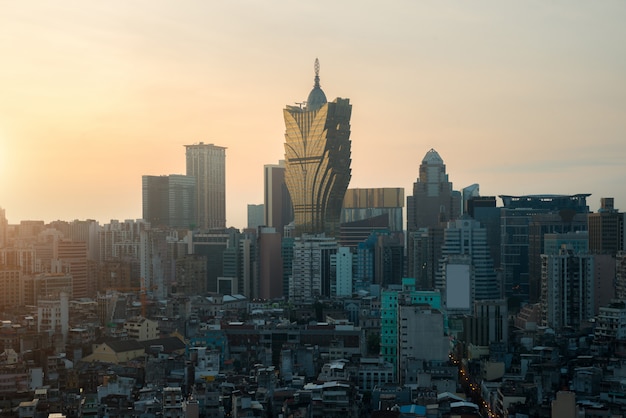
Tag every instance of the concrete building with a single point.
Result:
(141, 329)
(311, 267)
(466, 272)
(317, 160)
(606, 229)
(567, 289)
(53, 315)
(341, 265)
(391, 325)
(421, 335)
(207, 163)
(611, 322)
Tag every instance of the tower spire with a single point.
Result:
(316, 66)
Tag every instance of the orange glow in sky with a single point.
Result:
(519, 97)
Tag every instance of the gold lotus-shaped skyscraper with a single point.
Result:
(317, 160)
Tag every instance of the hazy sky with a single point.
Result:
(522, 97)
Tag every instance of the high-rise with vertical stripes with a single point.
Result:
(317, 160)
(207, 163)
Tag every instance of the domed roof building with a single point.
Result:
(317, 160)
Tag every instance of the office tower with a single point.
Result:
(341, 265)
(473, 203)
(212, 244)
(515, 218)
(424, 254)
(364, 265)
(567, 289)
(270, 264)
(256, 215)
(484, 210)
(207, 163)
(239, 261)
(432, 204)
(169, 200)
(606, 229)
(310, 272)
(468, 193)
(287, 255)
(277, 202)
(604, 267)
(367, 210)
(317, 160)
(247, 274)
(433, 201)
(540, 224)
(466, 271)
(488, 324)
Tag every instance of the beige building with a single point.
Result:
(141, 329)
(116, 352)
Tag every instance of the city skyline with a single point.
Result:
(521, 98)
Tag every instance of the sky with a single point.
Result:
(524, 97)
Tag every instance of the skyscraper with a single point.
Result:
(207, 163)
(277, 202)
(432, 204)
(169, 200)
(466, 272)
(433, 201)
(317, 160)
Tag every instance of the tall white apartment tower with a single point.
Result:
(466, 272)
(310, 276)
(207, 163)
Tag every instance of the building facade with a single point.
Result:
(317, 160)
(466, 238)
(606, 229)
(207, 163)
(311, 268)
(567, 289)
(278, 211)
(432, 204)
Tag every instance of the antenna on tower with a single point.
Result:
(316, 66)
